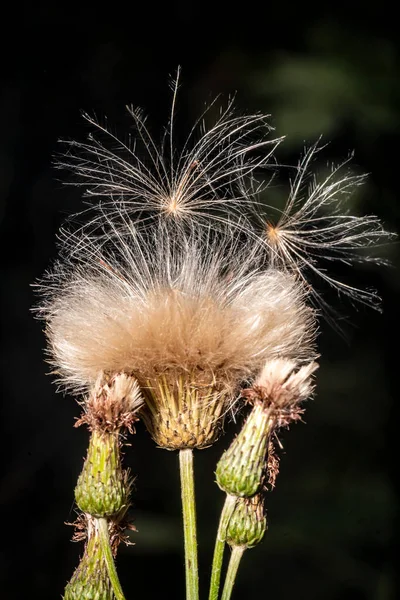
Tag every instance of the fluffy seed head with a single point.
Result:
(276, 396)
(148, 305)
(146, 289)
(90, 579)
(189, 315)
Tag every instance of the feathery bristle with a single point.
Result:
(156, 302)
(315, 228)
(151, 181)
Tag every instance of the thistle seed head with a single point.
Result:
(188, 315)
(149, 289)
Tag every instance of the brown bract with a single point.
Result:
(113, 403)
(281, 387)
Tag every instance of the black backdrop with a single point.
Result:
(332, 518)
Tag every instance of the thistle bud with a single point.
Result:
(240, 471)
(90, 580)
(103, 486)
(248, 523)
(276, 396)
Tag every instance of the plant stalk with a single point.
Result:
(226, 514)
(237, 553)
(189, 523)
(102, 524)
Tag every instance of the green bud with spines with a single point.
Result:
(103, 487)
(240, 471)
(90, 580)
(248, 523)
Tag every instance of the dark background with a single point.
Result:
(333, 516)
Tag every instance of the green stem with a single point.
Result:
(237, 553)
(109, 559)
(189, 523)
(226, 514)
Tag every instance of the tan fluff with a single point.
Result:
(148, 304)
(282, 378)
(112, 403)
(281, 387)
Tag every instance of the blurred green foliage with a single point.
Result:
(342, 79)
